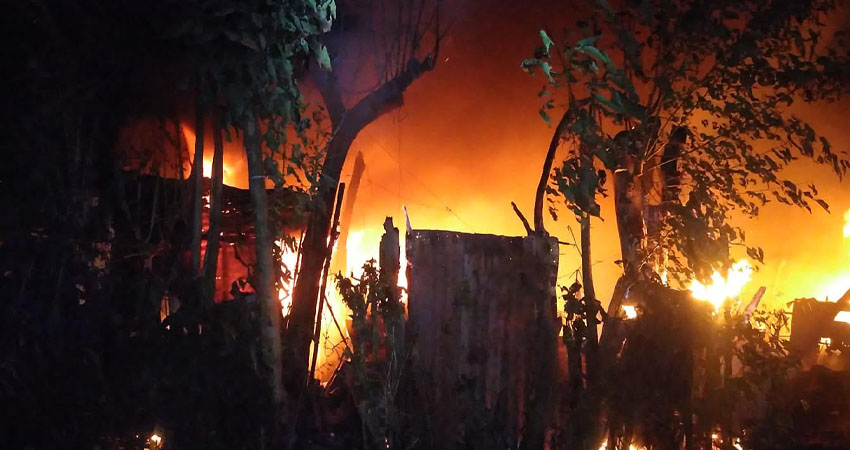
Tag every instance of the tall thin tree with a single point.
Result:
(403, 64)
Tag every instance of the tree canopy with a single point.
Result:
(694, 101)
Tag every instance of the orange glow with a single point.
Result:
(284, 294)
(457, 170)
(604, 446)
(361, 246)
(836, 285)
(833, 290)
(722, 288)
(231, 176)
(847, 224)
(843, 316)
(630, 311)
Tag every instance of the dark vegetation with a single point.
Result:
(96, 236)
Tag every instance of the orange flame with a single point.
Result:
(361, 247)
(847, 224)
(833, 290)
(604, 446)
(230, 178)
(722, 288)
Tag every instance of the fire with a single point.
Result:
(630, 311)
(847, 224)
(834, 289)
(361, 246)
(230, 177)
(722, 288)
(604, 446)
(287, 263)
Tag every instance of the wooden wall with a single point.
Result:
(484, 334)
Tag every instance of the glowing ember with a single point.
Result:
(721, 288)
(826, 341)
(630, 311)
(156, 440)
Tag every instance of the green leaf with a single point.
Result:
(547, 42)
(547, 69)
(589, 41)
(324, 59)
(248, 42)
(271, 70)
(598, 54)
(529, 64)
(545, 116)
(611, 105)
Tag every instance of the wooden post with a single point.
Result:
(317, 331)
(389, 263)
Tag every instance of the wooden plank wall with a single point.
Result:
(484, 332)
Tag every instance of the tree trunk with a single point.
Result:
(540, 195)
(347, 123)
(591, 407)
(263, 279)
(313, 254)
(589, 301)
(197, 186)
(324, 282)
(627, 203)
(213, 235)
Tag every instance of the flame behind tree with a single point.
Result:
(242, 70)
(689, 107)
(407, 35)
(685, 106)
(723, 288)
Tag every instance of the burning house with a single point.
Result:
(637, 310)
